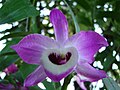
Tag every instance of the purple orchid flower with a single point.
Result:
(11, 87)
(11, 69)
(6, 87)
(58, 58)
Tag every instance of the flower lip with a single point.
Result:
(57, 72)
(59, 59)
(72, 60)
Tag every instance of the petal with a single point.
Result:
(31, 47)
(60, 25)
(57, 72)
(35, 77)
(11, 69)
(87, 43)
(80, 83)
(24, 88)
(87, 73)
(6, 87)
(58, 77)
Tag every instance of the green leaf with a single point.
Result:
(48, 85)
(26, 71)
(7, 60)
(84, 4)
(15, 10)
(57, 85)
(19, 28)
(108, 14)
(18, 76)
(67, 80)
(7, 50)
(35, 88)
(16, 34)
(102, 2)
(83, 20)
(8, 53)
(111, 84)
(77, 28)
(108, 63)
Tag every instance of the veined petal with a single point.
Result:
(87, 73)
(57, 72)
(31, 47)
(35, 77)
(87, 43)
(60, 25)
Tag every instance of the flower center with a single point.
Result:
(59, 59)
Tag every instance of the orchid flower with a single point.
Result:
(11, 69)
(6, 86)
(11, 87)
(58, 58)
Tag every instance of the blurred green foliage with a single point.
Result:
(32, 16)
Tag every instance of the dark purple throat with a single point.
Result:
(59, 59)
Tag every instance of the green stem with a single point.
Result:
(27, 24)
(66, 82)
(77, 28)
(57, 85)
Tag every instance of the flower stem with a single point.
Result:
(66, 82)
(57, 85)
(77, 28)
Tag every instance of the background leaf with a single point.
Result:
(15, 10)
(77, 28)
(111, 84)
(26, 69)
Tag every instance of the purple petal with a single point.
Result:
(87, 73)
(35, 77)
(11, 69)
(87, 44)
(6, 87)
(24, 88)
(31, 47)
(60, 25)
(58, 77)
(80, 83)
